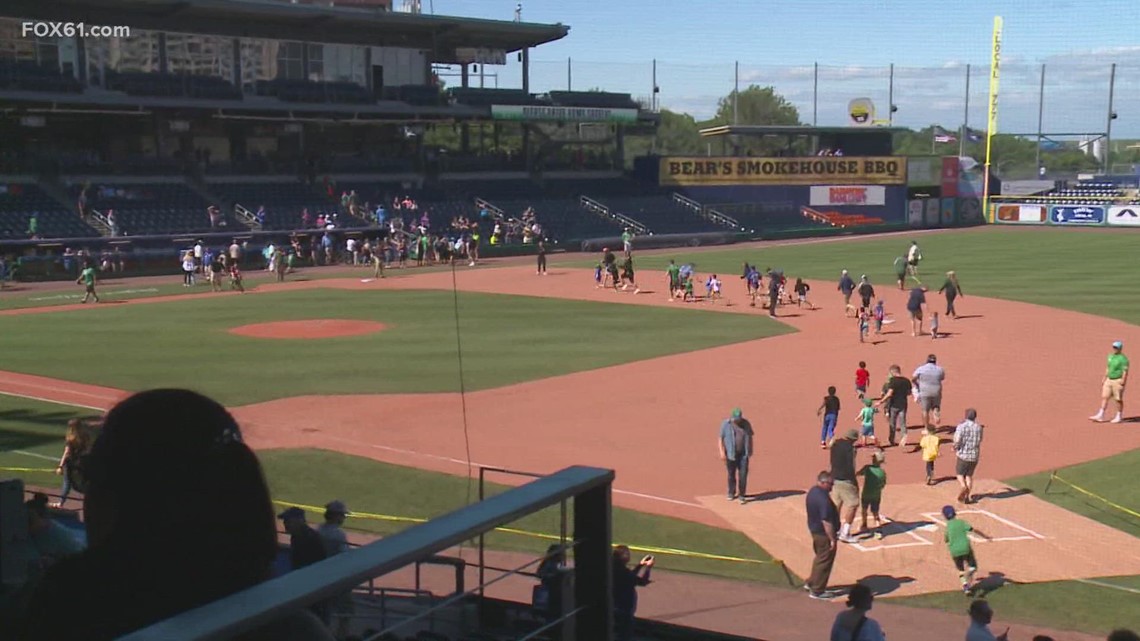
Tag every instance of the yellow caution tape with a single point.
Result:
(548, 537)
(1098, 497)
(49, 470)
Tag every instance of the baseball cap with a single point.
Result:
(736, 413)
(932, 359)
(337, 507)
(868, 402)
(845, 272)
(852, 434)
(1118, 345)
(948, 511)
(291, 513)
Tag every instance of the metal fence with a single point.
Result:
(1074, 98)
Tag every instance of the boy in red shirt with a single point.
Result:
(862, 379)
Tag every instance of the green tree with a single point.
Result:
(755, 105)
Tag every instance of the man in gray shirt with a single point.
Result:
(927, 381)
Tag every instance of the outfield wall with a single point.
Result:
(1068, 214)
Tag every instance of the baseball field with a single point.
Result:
(550, 371)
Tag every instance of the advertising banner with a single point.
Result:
(951, 167)
(932, 213)
(1077, 215)
(924, 171)
(1017, 213)
(871, 195)
(969, 210)
(914, 210)
(562, 114)
(812, 170)
(948, 211)
(1126, 215)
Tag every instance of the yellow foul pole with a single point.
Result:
(991, 129)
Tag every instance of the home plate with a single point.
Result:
(367, 280)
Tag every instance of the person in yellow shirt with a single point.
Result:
(929, 445)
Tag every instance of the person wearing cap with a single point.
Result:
(845, 492)
(957, 538)
(927, 379)
(968, 447)
(735, 446)
(866, 292)
(1115, 378)
(341, 606)
(823, 524)
(305, 545)
(846, 286)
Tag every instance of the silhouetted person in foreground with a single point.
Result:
(178, 515)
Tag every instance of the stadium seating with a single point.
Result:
(150, 208)
(18, 201)
(1089, 192)
(421, 95)
(659, 213)
(593, 99)
(283, 201)
(30, 76)
(562, 219)
(478, 97)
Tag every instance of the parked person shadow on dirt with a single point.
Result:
(881, 584)
(990, 583)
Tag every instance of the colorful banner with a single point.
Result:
(813, 170)
(932, 213)
(870, 195)
(951, 168)
(1127, 215)
(1077, 215)
(948, 211)
(914, 210)
(1018, 213)
(562, 114)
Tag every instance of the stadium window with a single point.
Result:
(14, 46)
(290, 63)
(199, 55)
(316, 68)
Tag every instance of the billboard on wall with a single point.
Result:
(832, 195)
(924, 171)
(951, 168)
(1018, 213)
(698, 171)
(947, 211)
(1077, 215)
(932, 213)
(914, 212)
(1128, 215)
(562, 114)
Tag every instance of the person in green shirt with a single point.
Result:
(957, 539)
(900, 271)
(674, 273)
(627, 241)
(1112, 387)
(874, 480)
(88, 278)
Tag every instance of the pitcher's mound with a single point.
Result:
(308, 329)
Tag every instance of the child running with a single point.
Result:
(864, 324)
(598, 274)
(961, 551)
(235, 277)
(801, 289)
(929, 444)
(830, 412)
(674, 274)
(867, 420)
(713, 286)
(88, 278)
(879, 313)
(874, 480)
(688, 295)
(862, 379)
(934, 326)
(753, 278)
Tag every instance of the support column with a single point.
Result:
(593, 573)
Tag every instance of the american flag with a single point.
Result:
(941, 135)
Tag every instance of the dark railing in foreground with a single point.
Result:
(590, 489)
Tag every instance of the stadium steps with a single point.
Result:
(199, 186)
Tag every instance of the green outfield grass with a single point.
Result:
(506, 340)
(1079, 269)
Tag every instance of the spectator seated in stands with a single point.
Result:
(52, 542)
(178, 515)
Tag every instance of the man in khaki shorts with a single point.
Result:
(845, 492)
(1115, 378)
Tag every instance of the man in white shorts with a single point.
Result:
(913, 256)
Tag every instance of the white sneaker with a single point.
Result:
(1116, 419)
(1098, 417)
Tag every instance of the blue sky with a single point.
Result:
(612, 44)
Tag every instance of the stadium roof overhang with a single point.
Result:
(792, 130)
(438, 35)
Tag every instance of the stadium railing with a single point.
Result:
(588, 488)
